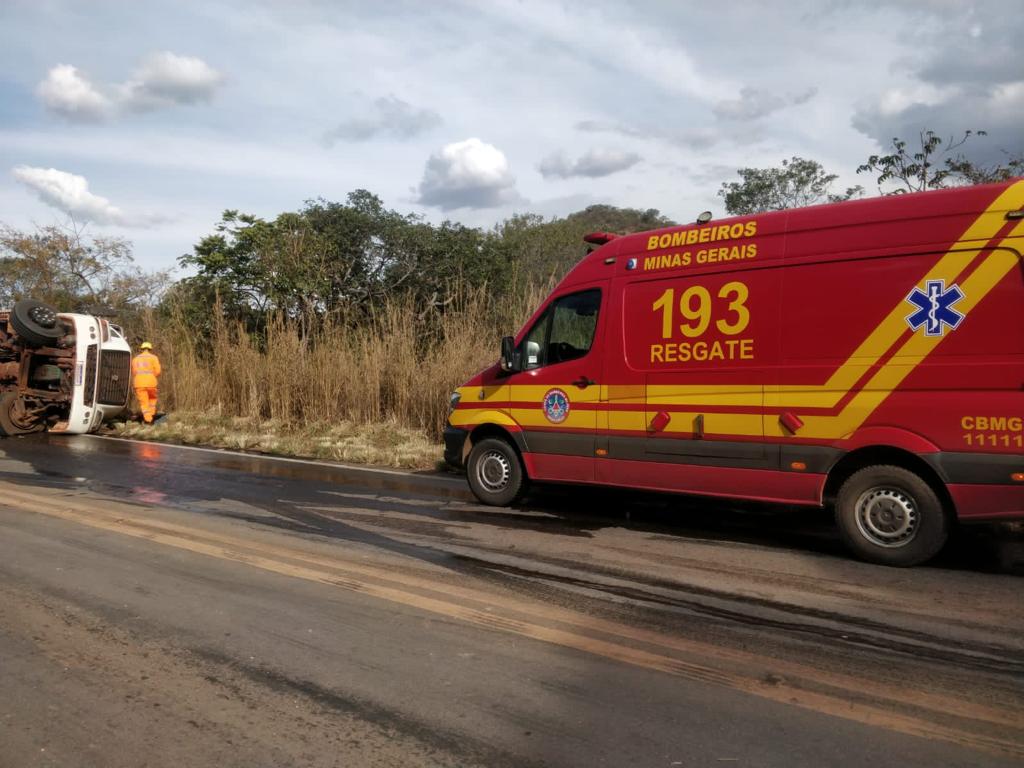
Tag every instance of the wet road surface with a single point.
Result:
(166, 606)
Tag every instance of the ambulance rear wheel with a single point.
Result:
(495, 472)
(891, 516)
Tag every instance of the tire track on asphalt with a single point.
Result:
(931, 716)
(748, 608)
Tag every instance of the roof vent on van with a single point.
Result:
(599, 238)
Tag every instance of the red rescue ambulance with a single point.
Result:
(859, 355)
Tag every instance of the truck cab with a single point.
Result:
(62, 372)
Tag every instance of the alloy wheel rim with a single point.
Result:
(887, 516)
(494, 471)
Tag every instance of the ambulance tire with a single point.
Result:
(891, 516)
(495, 472)
(36, 323)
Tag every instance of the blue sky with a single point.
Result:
(147, 120)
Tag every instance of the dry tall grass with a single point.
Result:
(400, 367)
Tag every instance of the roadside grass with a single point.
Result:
(384, 444)
(398, 367)
(372, 392)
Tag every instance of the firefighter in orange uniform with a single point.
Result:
(145, 372)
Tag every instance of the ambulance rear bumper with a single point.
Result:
(979, 503)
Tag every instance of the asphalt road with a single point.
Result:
(161, 606)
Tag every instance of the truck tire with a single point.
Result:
(891, 516)
(36, 323)
(13, 420)
(495, 472)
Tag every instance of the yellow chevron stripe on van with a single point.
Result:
(873, 348)
(948, 268)
(465, 417)
(988, 274)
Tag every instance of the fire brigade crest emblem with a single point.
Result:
(556, 406)
(934, 308)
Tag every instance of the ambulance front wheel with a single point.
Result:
(495, 472)
(891, 516)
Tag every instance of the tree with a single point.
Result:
(447, 261)
(935, 164)
(967, 173)
(799, 182)
(346, 260)
(342, 260)
(64, 267)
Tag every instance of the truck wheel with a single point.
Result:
(14, 419)
(889, 515)
(36, 322)
(495, 473)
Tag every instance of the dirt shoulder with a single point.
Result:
(386, 444)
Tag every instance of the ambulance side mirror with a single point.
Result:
(509, 360)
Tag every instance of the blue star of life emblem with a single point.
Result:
(935, 307)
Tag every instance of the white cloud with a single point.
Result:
(389, 117)
(165, 79)
(467, 174)
(69, 192)
(892, 101)
(753, 104)
(162, 79)
(593, 164)
(693, 138)
(68, 93)
(643, 52)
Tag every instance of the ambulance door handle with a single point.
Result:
(583, 382)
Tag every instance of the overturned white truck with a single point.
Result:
(61, 372)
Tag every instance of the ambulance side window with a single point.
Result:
(534, 345)
(564, 332)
